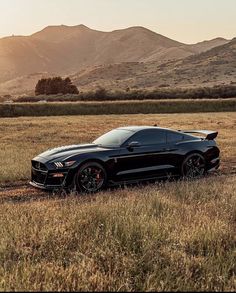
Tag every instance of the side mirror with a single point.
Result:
(133, 144)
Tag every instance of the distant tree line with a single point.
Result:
(101, 94)
(54, 86)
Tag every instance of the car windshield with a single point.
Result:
(114, 138)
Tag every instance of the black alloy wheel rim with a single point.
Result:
(194, 167)
(91, 179)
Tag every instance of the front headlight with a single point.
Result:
(64, 164)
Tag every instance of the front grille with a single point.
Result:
(38, 176)
(39, 172)
(55, 181)
(39, 166)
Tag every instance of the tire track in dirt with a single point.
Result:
(21, 193)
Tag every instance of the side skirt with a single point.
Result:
(135, 181)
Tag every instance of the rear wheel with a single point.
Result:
(194, 166)
(91, 178)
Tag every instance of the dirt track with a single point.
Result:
(23, 192)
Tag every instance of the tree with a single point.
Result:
(55, 85)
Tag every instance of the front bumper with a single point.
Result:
(49, 180)
(44, 187)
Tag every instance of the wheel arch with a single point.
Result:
(73, 172)
(194, 152)
(91, 160)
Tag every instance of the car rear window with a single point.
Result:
(175, 137)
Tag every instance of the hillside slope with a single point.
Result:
(67, 50)
(214, 67)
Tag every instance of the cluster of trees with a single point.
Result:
(54, 86)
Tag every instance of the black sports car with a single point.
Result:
(127, 155)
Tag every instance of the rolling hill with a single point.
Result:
(90, 56)
(213, 67)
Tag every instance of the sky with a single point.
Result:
(187, 21)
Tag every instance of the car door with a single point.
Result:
(143, 155)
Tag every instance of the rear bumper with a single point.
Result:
(213, 165)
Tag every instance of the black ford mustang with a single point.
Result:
(124, 155)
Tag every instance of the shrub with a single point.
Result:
(101, 94)
(55, 85)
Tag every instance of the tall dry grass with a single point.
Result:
(175, 236)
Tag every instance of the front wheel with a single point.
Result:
(90, 178)
(194, 166)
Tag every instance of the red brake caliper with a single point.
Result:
(98, 176)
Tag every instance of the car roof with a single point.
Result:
(140, 128)
(136, 129)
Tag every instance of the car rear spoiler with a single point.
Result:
(210, 135)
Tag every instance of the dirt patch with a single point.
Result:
(228, 167)
(21, 193)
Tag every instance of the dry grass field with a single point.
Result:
(24, 138)
(176, 236)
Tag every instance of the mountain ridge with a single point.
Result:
(68, 50)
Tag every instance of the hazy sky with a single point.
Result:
(184, 20)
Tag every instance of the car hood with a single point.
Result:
(68, 151)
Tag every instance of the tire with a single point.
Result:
(194, 166)
(90, 178)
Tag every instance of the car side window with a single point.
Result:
(150, 137)
(174, 137)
